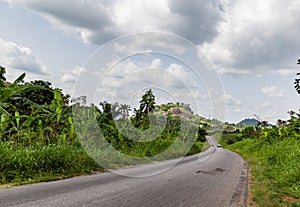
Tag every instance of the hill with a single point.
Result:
(248, 122)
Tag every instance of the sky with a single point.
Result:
(228, 59)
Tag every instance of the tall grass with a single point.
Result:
(275, 169)
(27, 163)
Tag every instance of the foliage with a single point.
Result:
(274, 155)
(275, 173)
(147, 105)
(297, 84)
(2, 77)
(297, 81)
(124, 110)
(38, 139)
(37, 135)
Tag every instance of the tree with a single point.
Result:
(112, 109)
(42, 94)
(36, 92)
(281, 123)
(2, 77)
(147, 104)
(124, 110)
(201, 134)
(297, 81)
(115, 110)
(81, 100)
(261, 123)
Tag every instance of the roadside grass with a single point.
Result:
(275, 170)
(30, 164)
(35, 163)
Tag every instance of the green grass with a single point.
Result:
(20, 164)
(35, 163)
(275, 169)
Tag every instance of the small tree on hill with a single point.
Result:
(147, 105)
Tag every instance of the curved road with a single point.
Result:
(214, 178)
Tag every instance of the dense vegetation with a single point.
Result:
(39, 139)
(273, 153)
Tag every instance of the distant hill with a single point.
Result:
(248, 122)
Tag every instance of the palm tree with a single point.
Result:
(112, 109)
(281, 122)
(115, 110)
(124, 110)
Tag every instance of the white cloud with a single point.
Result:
(232, 101)
(285, 72)
(227, 99)
(101, 21)
(237, 110)
(258, 36)
(265, 104)
(273, 92)
(71, 77)
(20, 58)
(233, 71)
(156, 63)
(68, 78)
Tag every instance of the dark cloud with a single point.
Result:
(195, 20)
(101, 21)
(258, 36)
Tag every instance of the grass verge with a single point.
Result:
(21, 165)
(275, 170)
(31, 164)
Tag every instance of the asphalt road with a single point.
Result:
(214, 178)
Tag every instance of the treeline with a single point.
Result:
(265, 132)
(39, 139)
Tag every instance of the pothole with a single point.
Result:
(212, 172)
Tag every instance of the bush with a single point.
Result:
(231, 138)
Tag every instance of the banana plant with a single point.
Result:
(12, 89)
(57, 105)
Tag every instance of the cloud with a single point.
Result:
(273, 92)
(156, 63)
(133, 74)
(285, 72)
(101, 21)
(265, 104)
(20, 58)
(68, 78)
(257, 36)
(127, 81)
(195, 20)
(227, 99)
(71, 77)
(232, 101)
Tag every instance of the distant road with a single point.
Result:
(214, 178)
